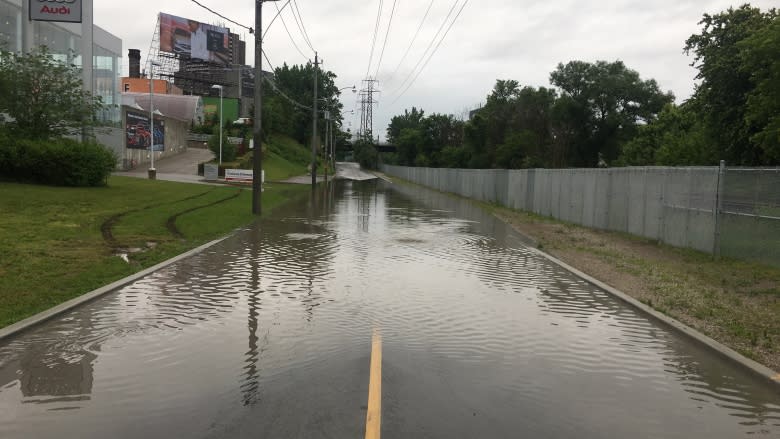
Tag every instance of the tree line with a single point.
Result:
(288, 99)
(605, 114)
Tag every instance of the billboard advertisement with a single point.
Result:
(68, 11)
(229, 108)
(137, 135)
(193, 39)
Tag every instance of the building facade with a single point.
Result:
(64, 42)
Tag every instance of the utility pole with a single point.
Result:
(314, 128)
(327, 145)
(257, 134)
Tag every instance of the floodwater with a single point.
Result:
(268, 335)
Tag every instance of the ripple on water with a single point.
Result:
(454, 302)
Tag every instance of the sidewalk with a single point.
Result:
(181, 167)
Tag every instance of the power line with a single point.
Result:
(270, 64)
(273, 84)
(222, 16)
(432, 53)
(414, 38)
(387, 34)
(433, 40)
(373, 40)
(301, 26)
(290, 35)
(278, 13)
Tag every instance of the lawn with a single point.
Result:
(284, 158)
(58, 243)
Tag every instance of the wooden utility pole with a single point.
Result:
(257, 133)
(314, 127)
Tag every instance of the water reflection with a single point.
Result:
(276, 319)
(250, 384)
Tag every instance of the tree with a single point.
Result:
(410, 119)
(408, 145)
(500, 132)
(676, 138)
(438, 132)
(366, 154)
(602, 105)
(43, 97)
(287, 101)
(727, 84)
(760, 55)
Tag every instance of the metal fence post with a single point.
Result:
(719, 208)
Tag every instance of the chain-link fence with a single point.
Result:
(675, 205)
(750, 214)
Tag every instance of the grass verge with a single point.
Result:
(58, 243)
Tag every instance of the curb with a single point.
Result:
(756, 368)
(43, 316)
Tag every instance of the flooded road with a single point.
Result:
(268, 335)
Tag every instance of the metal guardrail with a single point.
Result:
(198, 137)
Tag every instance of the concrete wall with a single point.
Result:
(176, 134)
(673, 205)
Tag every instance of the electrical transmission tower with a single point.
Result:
(367, 109)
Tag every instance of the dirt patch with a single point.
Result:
(734, 302)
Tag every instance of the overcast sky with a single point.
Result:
(498, 39)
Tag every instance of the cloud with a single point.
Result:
(499, 39)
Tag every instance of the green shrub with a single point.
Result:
(288, 149)
(366, 154)
(59, 162)
(229, 151)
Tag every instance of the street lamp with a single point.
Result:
(152, 171)
(220, 121)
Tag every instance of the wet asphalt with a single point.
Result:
(268, 334)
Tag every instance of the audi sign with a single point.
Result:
(55, 10)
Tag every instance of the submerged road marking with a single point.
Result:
(374, 412)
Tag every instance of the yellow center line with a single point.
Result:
(374, 413)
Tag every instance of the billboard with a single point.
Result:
(137, 135)
(193, 39)
(55, 10)
(229, 108)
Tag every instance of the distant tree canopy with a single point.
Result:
(606, 111)
(294, 84)
(596, 109)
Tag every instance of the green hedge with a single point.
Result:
(58, 162)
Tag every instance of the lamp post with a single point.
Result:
(152, 171)
(220, 121)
